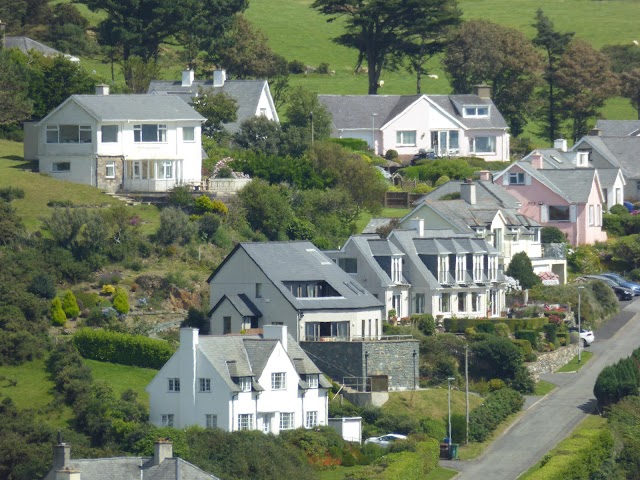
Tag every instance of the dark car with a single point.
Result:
(422, 154)
(621, 292)
(623, 282)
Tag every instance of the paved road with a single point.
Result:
(551, 419)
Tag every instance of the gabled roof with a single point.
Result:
(355, 112)
(241, 302)
(25, 44)
(136, 468)
(618, 128)
(303, 261)
(552, 158)
(487, 192)
(143, 108)
(620, 152)
(246, 93)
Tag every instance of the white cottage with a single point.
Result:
(239, 382)
(131, 143)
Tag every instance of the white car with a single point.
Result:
(386, 440)
(586, 336)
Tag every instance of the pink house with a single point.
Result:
(570, 200)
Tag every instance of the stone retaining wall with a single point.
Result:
(551, 361)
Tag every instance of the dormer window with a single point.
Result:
(396, 269)
(475, 112)
(312, 381)
(516, 178)
(245, 384)
(582, 159)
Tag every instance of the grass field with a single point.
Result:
(122, 377)
(542, 388)
(432, 403)
(573, 365)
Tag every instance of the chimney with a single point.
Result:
(163, 450)
(536, 160)
(485, 175)
(187, 78)
(188, 338)
(482, 91)
(219, 77)
(417, 224)
(2, 39)
(594, 132)
(276, 332)
(102, 89)
(468, 192)
(560, 144)
(61, 455)
(68, 474)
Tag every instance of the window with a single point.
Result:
(312, 381)
(461, 267)
(61, 167)
(109, 133)
(396, 304)
(311, 419)
(311, 289)
(396, 269)
(205, 384)
(462, 300)
(445, 142)
(286, 420)
(110, 170)
(349, 265)
(211, 421)
(52, 134)
(419, 303)
(245, 421)
(482, 145)
(226, 325)
(68, 134)
(149, 133)
(166, 169)
(476, 112)
(558, 213)
(582, 158)
(516, 178)
(167, 420)
(258, 290)
(445, 302)
(245, 384)
(278, 381)
(188, 134)
(599, 215)
(174, 384)
(591, 215)
(137, 170)
(406, 138)
(475, 302)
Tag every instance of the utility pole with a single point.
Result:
(466, 379)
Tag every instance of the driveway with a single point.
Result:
(552, 418)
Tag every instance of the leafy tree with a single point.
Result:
(630, 88)
(174, 227)
(485, 52)
(585, 82)
(552, 235)
(121, 301)
(70, 305)
(554, 45)
(15, 105)
(303, 103)
(382, 31)
(268, 208)
(58, 318)
(627, 249)
(138, 72)
(496, 357)
(217, 108)
(67, 30)
(43, 286)
(11, 226)
(521, 269)
(196, 319)
(623, 58)
(260, 135)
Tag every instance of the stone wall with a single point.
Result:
(393, 358)
(551, 361)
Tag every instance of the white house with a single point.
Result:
(131, 143)
(253, 97)
(239, 382)
(292, 284)
(450, 125)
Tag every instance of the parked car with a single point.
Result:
(621, 292)
(623, 282)
(386, 440)
(586, 335)
(422, 154)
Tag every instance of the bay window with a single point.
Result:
(482, 144)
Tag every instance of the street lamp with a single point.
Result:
(373, 133)
(449, 379)
(580, 288)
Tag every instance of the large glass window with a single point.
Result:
(482, 144)
(559, 213)
(69, 134)
(166, 170)
(150, 133)
(406, 138)
(445, 142)
(109, 133)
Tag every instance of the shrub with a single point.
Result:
(563, 338)
(296, 66)
(459, 325)
(174, 226)
(450, 196)
(486, 327)
(121, 348)
(442, 180)
(58, 318)
(529, 335)
(70, 305)
(9, 194)
(496, 384)
(180, 197)
(552, 235)
(485, 418)
(42, 286)
(323, 68)
(619, 210)
(425, 322)
(205, 205)
(502, 329)
(434, 428)
(391, 154)
(521, 269)
(108, 289)
(524, 345)
(496, 357)
(614, 224)
(551, 332)
(121, 301)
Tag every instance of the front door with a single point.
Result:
(265, 419)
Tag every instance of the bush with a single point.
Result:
(552, 235)
(521, 269)
(205, 205)
(296, 67)
(391, 154)
(121, 348)
(459, 325)
(551, 332)
(425, 322)
(619, 210)
(563, 338)
(174, 227)
(486, 327)
(502, 329)
(70, 305)
(121, 301)
(209, 224)
(496, 357)
(524, 345)
(181, 197)
(323, 68)
(58, 318)
(9, 194)
(42, 286)
(485, 418)
(529, 335)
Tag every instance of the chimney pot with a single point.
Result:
(276, 332)
(536, 160)
(482, 91)
(485, 175)
(594, 132)
(163, 450)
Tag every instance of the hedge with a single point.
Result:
(122, 348)
(530, 335)
(498, 406)
(563, 338)
(413, 465)
(459, 325)
(551, 332)
(525, 346)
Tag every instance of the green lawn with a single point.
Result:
(542, 388)
(122, 377)
(432, 403)
(573, 365)
(441, 473)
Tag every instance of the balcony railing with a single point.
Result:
(554, 250)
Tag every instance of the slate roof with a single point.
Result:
(608, 176)
(376, 223)
(241, 302)
(621, 152)
(553, 158)
(246, 93)
(303, 261)
(136, 468)
(618, 128)
(355, 112)
(486, 192)
(117, 108)
(574, 185)
(24, 44)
